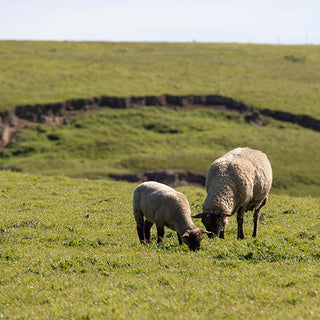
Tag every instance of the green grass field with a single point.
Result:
(266, 76)
(68, 242)
(69, 250)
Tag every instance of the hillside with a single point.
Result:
(76, 117)
(284, 78)
(121, 142)
(218, 96)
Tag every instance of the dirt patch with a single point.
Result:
(299, 119)
(59, 113)
(171, 177)
(257, 119)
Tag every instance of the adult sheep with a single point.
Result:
(164, 206)
(238, 181)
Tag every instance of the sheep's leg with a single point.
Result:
(256, 217)
(158, 219)
(221, 235)
(240, 217)
(179, 239)
(139, 217)
(147, 230)
(160, 232)
(140, 229)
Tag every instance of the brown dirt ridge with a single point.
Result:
(58, 113)
(172, 177)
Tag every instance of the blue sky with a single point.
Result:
(248, 21)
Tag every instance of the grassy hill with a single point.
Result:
(69, 249)
(94, 145)
(266, 76)
(129, 141)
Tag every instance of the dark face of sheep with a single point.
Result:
(192, 238)
(213, 222)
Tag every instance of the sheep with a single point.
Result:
(164, 206)
(239, 181)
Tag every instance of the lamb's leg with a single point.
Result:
(140, 229)
(256, 217)
(139, 217)
(158, 219)
(179, 239)
(147, 230)
(160, 232)
(240, 217)
(221, 235)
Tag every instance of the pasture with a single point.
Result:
(69, 249)
(278, 77)
(68, 242)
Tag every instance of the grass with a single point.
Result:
(129, 141)
(266, 76)
(69, 249)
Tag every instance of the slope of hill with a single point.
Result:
(129, 141)
(273, 80)
(69, 248)
(285, 78)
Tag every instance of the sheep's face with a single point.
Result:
(192, 238)
(214, 223)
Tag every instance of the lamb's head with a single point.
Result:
(214, 222)
(192, 238)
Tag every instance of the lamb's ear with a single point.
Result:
(186, 234)
(205, 231)
(199, 215)
(186, 237)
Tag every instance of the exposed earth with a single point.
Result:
(171, 177)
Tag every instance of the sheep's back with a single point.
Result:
(154, 197)
(240, 177)
(262, 171)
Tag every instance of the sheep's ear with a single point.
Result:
(186, 234)
(205, 231)
(199, 215)
(186, 237)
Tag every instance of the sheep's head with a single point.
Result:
(192, 238)
(214, 222)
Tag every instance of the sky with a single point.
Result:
(242, 21)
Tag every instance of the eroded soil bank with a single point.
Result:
(171, 177)
(59, 113)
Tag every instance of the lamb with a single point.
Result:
(238, 181)
(164, 206)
